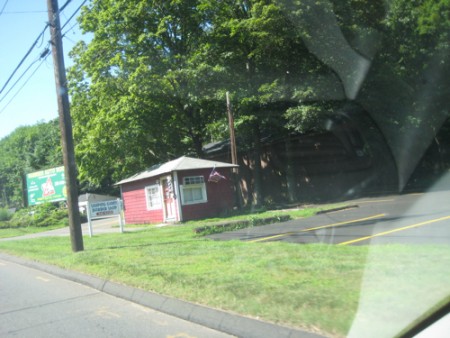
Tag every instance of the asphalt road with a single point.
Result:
(37, 304)
(410, 218)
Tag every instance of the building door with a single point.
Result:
(169, 199)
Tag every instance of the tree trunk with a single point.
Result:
(198, 144)
(196, 137)
(290, 172)
(258, 195)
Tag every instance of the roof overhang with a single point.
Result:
(179, 164)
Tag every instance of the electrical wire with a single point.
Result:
(74, 13)
(32, 46)
(43, 56)
(20, 77)
(69, 30)
(64, 6)
(23, 85)
(3, 8)
(24, 58)
(24, 12)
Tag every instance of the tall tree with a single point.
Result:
(263, 58)
(140, 91)
(408, 90)
(151, 84)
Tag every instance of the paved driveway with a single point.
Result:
(409, 218)
(99, 226)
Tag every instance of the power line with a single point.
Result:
(74, 13)
(3, 8)
(28, 12)
(15, 83)
(42, 56)
(23, 85)
(64, 6)
(24, 58)
(31, 48)
(68, 30)
(24, 12)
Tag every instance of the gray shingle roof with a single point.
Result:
(179, 164)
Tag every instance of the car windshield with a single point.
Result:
(206, 109)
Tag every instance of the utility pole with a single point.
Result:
(65, 125)
(233, 152)
(231, 127)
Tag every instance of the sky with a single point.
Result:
(33, 98)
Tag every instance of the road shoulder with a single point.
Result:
(220, 320)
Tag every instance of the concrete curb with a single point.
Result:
(352, 206)
(227, 322)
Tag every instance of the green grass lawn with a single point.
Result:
(308, 286)
(21, 231)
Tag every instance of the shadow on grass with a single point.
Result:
(144, 245)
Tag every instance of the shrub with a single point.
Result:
(21, 218)
(41, 215)
(4, 215)
(239, 224)
(48, 214)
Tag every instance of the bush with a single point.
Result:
(42, 215)
(4, 215)
(239, 224)
(49, 214)
(21, 218)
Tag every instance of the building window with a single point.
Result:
(153, 197)
(193, 190)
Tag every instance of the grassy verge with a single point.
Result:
(228, 225)
(309, 286)
(218, 225)
(6, 232)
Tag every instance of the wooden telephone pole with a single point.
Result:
(65, 125)
(231, 128)
(233, 147)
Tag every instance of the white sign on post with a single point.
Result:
(104, 209)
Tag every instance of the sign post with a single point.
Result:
(104, 209)
(121, 220)
(88, 209)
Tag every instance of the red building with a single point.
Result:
(180, 190)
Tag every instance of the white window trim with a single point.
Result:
(187, 186)
(156, 207)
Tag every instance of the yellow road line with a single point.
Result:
(395, 230)
(376, 201)
(315, 228)
(270, 237)
(343, 223)
(42, 279)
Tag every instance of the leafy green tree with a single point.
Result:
(151, 84)
(140, 92)
(408, 90)
(403, 86)
(263, 58)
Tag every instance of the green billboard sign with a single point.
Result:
(46, 186)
